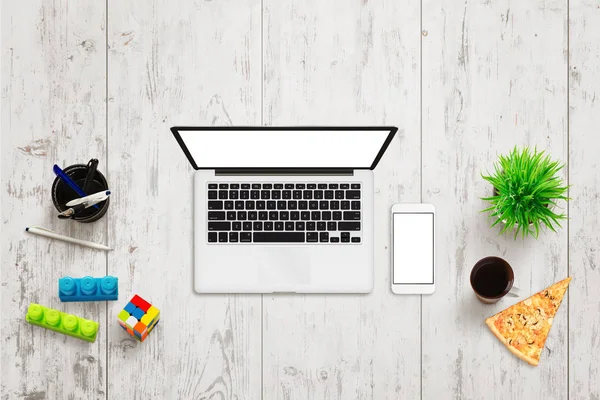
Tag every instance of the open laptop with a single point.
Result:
(283, 209)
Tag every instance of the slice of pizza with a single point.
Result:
(524, 327)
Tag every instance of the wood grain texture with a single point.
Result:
(176, 63)
(494, 76)
(52, 112)
(584, 173)
(345, 63)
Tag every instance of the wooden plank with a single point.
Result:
(53, 111)
(341, 63)
(584, 225)
(494, 76)
(187, 63)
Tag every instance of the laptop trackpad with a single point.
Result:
(285, 268)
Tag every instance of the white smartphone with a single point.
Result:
(413, 248)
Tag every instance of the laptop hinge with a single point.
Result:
(285, 171)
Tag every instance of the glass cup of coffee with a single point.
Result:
(492, 278)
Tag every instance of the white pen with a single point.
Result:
(91, 199)
(36, 230)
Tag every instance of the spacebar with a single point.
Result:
(278, 237)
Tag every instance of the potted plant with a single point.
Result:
(526, 190)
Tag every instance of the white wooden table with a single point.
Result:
(464, 81)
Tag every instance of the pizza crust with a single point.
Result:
(490, 323)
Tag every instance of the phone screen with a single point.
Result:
(413, 248)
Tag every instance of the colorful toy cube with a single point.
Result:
(138, 318)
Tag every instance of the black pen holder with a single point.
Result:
(62, 193)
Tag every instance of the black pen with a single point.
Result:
(91, 172)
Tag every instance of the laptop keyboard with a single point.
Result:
(319, 212)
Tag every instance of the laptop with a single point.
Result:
(283, 209)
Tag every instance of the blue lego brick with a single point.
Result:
(130, 308)
(138, 313)
(88, 288)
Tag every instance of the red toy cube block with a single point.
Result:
(140, 303)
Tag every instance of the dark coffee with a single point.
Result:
(491, 279)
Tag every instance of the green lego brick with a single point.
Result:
(67, 324)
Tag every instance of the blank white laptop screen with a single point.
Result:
(413, 248)
(284, 148)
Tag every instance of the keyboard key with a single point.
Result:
(246, 237)
(249, 204)
(339, 194)
(355, 205)
(273, 215)
(234, 186)
(278, 186)
(313, 205)
(310, 226)
(352, 215)
(321, 226)
(256, 186)
(215, 205)
(332, 226)
(299, 226)
(222, 194)
(318, 194)
(297, 194)
(276, 194)
(234, 194)
(289, 185)
(279, 226)
(355, 240)
(281, 205)
(286, 195)
(303, 205)
(212, 194)
(229, 205)
(349, 226)
(219, 226)
(239, 205)
(353, 194)
(231, 215)
(292, 205)
(337, 215)
(323, 205)
(322, 186)
(255, 195)
(305, 215)
(267, 186)
(294, 215)
(289, 226)
(271, 205)
(300, 186)
(315, 215)
(233, 237)
(216, 215)
(345, 205)
(236, 226)
(334, 205)
(329, 194)
(355, 186)
(265, 195)
(307, 194)
(257, 226)
(333, 186)
(311, 236)
(263, 215)
(268, 225)
(212, 186)
(278, 237)
(223, 186)
(324, 237)
(345, 240)
(222, 237)
(244, 195)
(345, 234)
(334, 240)
(284, 215)
(212, 236)
(247, 226)
(245, 186)
(311, 186)
(325, 215)
(241, 215)
(344, 186)
(261, 205)
(252, 215)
